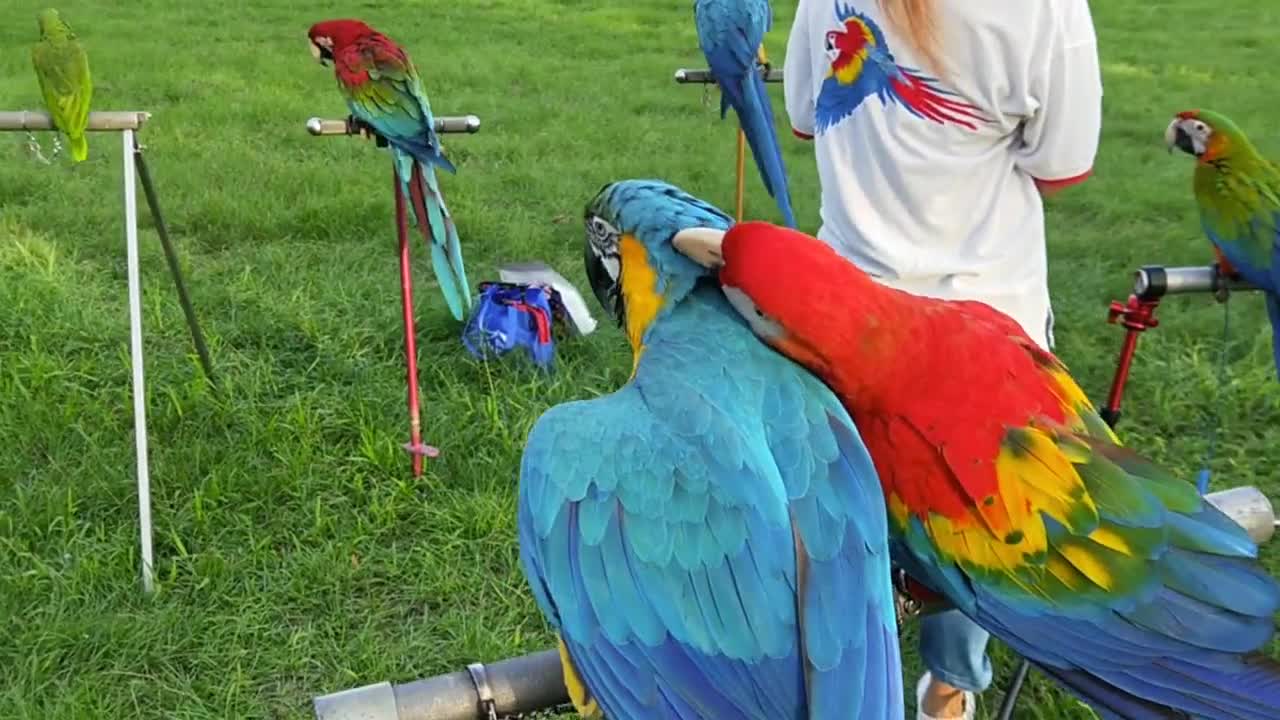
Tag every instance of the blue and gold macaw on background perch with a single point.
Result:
(731, 35)
(710, 540)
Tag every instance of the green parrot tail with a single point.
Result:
(442, 237)
(79, 147)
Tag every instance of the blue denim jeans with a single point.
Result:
(954, 650)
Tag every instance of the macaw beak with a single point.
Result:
(701, 245)
(322, 55)
(1175, 136)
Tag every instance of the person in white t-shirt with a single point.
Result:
(937, 126)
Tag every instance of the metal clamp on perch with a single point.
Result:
(686, 76)
(524, 684)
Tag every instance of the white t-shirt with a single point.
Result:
(930, 184)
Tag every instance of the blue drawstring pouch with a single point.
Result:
(509, 316)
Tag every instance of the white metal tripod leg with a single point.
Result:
(135, 354)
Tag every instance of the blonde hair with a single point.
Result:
(916, 20)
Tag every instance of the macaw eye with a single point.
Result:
(1201, 127)
(600, 233)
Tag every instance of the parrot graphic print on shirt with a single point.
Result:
(862, 65)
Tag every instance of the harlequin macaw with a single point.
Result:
(731, 35)
(709, 540)
(62, 69)
(1010, 496)
(1238, 193)
(862, 66)
(383, 91)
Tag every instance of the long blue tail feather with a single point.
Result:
(749, 98)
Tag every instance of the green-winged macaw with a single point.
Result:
(1009, 495)
(383, 90)
(708, 541)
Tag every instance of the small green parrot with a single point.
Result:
(63, 71)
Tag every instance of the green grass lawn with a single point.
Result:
(296, 555)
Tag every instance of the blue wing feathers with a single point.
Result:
(668, 561)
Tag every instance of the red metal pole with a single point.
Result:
(414, 446)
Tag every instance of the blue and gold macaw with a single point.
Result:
(709, 541)
(383, 90)
(731, 35)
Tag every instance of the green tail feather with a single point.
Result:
(79, 147)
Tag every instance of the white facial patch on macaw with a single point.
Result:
(603, 238)
(761, 324)
(1196, 131)
(318, 46)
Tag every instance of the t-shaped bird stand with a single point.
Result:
(704, 77)
(128, 124)
(352, 126)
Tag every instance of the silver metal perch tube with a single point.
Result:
(509, 687)
(455, 124)
(1153, 281)
(1249, 508)
(19, 120)
(687, 76)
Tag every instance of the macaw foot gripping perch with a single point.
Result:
(352, 126)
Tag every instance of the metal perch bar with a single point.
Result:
(530, 683)
(686, 76)
(454, 124)
(1153, 281)
(508, 687)
(20, 120)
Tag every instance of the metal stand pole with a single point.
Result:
(414, 446)
(175, 269)
(135, 351)
(322, 127)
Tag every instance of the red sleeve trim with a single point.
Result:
(801, 135)
(1047, 187)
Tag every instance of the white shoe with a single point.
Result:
(970, 702)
